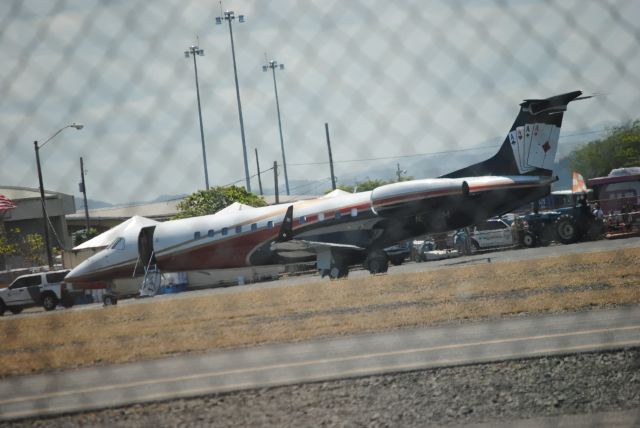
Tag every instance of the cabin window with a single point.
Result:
(321, 217)
(196, 235)
(238, 229)
(270, 224)
(210, 233)
(337, 215)
(354, 212)
(117, 244)
(303, 220)
(254, 226)
(225, 231)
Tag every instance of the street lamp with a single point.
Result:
(230, 16)
(42, 199)
(195, 51)
(273, 65)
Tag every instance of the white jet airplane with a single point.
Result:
(342, 229)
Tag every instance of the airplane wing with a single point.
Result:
(325, 253)
(310, 246)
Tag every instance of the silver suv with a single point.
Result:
(45, 289)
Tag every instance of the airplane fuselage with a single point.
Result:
(341, 228)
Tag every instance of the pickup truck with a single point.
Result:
(45, 289)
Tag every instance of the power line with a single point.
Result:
(468, 149)
(250, 177)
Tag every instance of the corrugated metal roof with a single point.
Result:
(20, 193)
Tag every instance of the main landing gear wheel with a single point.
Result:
(109, 299)
(377, 263)
(336, 271)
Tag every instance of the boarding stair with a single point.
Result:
(152, 279)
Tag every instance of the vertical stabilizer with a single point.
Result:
(532, 142)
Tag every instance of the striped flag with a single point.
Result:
(6, 203)
(577, 185)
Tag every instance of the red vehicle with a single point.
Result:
(619, 198)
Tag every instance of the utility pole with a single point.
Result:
(259, 179)
(399, 172)
(275, 180)
(83, 189)
(333, 177)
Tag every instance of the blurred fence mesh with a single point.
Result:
(431, 85)
(396, 83)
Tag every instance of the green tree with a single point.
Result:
(619, 148)
(7, 248)
(367, 185)
(32, 248)
(82, 235)
(204, 202)
(14, 243)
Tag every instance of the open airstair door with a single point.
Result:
(146, 255)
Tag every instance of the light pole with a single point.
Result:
(273, 65)
(230, 16)
(42, 199)
(195, 51)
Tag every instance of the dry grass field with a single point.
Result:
(66, 339)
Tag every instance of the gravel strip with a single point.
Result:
(572, 384)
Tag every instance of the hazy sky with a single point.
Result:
(394, 80)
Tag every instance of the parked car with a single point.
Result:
(399, 252)
(426, 251)
(46, 289)
(491, 233)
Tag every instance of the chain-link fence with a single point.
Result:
(396, 84)
(423, 87)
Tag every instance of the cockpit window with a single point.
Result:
(117, 244)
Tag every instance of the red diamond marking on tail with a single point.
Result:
(546, 147)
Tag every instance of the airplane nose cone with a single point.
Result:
(83, 272)
(75, 274)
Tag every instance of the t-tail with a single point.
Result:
(530, 146)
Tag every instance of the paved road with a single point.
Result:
(401, 350)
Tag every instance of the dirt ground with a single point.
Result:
(66, 339)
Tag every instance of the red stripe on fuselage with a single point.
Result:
(407, 197)
(235, 251)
